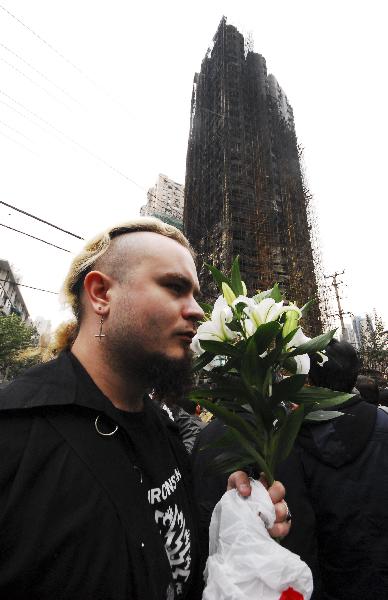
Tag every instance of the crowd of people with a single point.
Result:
(105, 491)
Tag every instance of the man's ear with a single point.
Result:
(97, 286)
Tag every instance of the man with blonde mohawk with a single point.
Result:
(96, 500)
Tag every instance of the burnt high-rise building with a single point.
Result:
(244, 189)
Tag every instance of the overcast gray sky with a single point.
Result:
(99, 104)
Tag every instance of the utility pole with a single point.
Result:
(335, 283)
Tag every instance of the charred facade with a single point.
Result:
(244, 189)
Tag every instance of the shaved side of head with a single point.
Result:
(127, 252)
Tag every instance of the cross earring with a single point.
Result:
(100, 335)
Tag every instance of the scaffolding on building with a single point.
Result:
(245, 192)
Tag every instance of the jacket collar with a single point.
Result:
(56, 383)
(50, 384)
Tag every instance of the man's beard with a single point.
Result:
(169, 379)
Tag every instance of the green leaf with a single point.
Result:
(265, 334)
(237, 466)
(254, 373)
(329, 403)
(276, 293)
(235, 278)
(304, 310)
(323, 415)
(230, 464)
(287, 387)
(207, 308)
(225, 441)
(322, 396)
(230, 419)
(267, 382)
(284, 438)
(235, 326)
(273, 293)
(220, 392)
(255, 454)
(284, 341)
(201, 361)
(219, 348)
(253, 369)
(217, 276)
(290, 365)
(315, 345)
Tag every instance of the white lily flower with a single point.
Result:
(298, 339)
(261, 295)
(241, 300)
(302, 364)
(292, 320)
(222, 314)
(216, 328)
(250, 327)
(263, 312)
(302, 360)
(195, 346)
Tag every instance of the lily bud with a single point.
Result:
(244, 287)
(228, 293)
(291, 323)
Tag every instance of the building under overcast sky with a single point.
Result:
(244, 190)
(95, 102)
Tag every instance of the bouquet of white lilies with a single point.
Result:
(256, 358)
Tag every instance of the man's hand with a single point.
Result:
(240, 481)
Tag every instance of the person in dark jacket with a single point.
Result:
(337, 489)
(184, 412)
(95, 490)
(368, 389)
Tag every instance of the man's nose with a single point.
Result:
(193, 311)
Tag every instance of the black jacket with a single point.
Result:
(336, 483)
(189, 426)
(75, 522)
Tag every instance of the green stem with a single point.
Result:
(264, 468)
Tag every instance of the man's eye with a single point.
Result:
(176, 287)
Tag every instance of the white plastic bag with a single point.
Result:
(244, 561)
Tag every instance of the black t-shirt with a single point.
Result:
(152, 456)
(160, 473)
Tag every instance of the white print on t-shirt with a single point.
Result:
(172, 525)
(168, 487)
(177, 543)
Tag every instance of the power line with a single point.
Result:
(147, 190)
(40, 38)
(11, 66)
(67, 137)
(16, 130)
(35, 238)
(18, 143)
(41, 220)
(28, 286)
(63, 57)
(41, 74)
(78, 144)
(45, 129)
